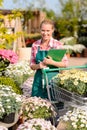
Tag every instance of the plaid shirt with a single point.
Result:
(52, 44)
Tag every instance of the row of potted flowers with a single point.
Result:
(31, 110)
(13, 103)
(74, 50)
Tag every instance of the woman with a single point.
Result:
(38, 59)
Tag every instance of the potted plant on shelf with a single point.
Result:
(78, 49)
(10, 104)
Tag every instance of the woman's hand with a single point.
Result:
(48, 61)
(42, 65)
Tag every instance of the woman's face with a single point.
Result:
(46, 31)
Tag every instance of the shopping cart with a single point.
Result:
(57, 94)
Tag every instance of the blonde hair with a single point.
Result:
(47, 21)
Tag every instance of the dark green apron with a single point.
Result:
(37, 88)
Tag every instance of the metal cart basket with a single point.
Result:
(57, 94)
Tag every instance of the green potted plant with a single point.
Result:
(10, 104)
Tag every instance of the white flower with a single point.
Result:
(78, 48)
(74, 125)
(9, 101)
(19, 71)
(82, 125)
(77, 118)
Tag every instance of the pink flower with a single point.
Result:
(9, 55)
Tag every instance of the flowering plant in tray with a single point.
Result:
(74, 80)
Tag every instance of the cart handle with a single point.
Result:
(67, 68)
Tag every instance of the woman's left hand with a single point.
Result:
(48, 60)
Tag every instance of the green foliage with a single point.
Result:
(3, 64)
(33, 36)
(62, 26)
(1, 2)
(7, 38)
(82, 40)
(68, 23)
(10, 82)
(50, 14)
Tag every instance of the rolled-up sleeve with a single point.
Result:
(32, 58)
(34, 50)
(65, 60)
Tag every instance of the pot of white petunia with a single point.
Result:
(10, 104)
